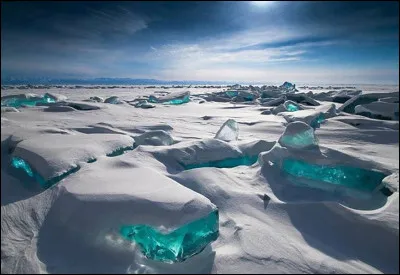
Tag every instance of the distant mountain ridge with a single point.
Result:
(102, 81)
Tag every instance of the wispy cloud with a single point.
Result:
(117, 21)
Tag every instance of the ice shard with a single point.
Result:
(291, 106)
(298, 135)
(229, 131)
(176, 98)
(175, 246)
(113, 100)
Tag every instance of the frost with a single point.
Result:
(229, 131)
(175, 246)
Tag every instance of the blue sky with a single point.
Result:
(263, 41)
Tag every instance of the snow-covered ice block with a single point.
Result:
(144, 104)
(50, 159)
(97, 99)
(298, 135)
(291, 106)
(196, 152)
(245, 95)
(274, 102)
(302, 98)
(113, 100)
(287, 106)
(52, 97)
(174, 98)
(229, 131)
(328, 170)
(349, 105)
(312, 117)
(270, 92)
(379, 110)
(166, 220)
(78, 105)
(155, 138)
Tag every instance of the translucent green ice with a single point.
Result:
(175, 101)
(292, 108)
(22, 164)
(19, 163)
(231, 93)
(175, 246)
(178, 101)
(18, 102)
(317, 121)
(351, 177)
(225, 163)
(299, 140)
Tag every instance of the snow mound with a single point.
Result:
(56, 158)
(57, 109)
(193, 153)
(229, 131)
(379, 110)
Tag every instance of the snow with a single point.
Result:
(173, 172)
